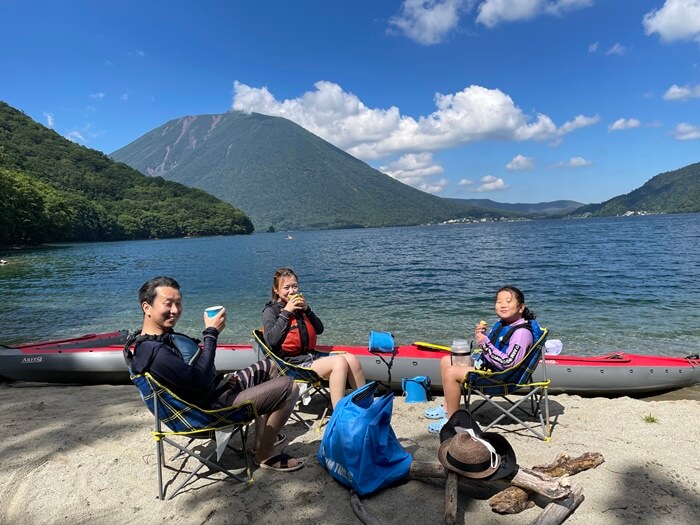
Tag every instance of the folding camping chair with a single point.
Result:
(308, 381)
(495, 386)
(191, 422)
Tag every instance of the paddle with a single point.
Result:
(431, 346)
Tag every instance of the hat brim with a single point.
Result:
(509, 463)
(461, 418)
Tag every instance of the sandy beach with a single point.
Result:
(84, 454)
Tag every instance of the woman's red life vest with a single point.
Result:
(301, 336)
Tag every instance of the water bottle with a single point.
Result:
(461, 352)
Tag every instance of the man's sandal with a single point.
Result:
(281, 463)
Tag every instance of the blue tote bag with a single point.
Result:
(359, 447)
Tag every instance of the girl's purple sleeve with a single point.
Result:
(519, 343)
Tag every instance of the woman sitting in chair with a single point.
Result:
(290, 329)
(504, 346)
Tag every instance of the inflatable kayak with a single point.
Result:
(97, 359)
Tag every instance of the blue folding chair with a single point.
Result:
(308, 381)
(494, 386)
(189, 421)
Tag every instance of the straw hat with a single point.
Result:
(483, 455)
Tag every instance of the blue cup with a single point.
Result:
(213, 310)
(416, 389)
(381, 342)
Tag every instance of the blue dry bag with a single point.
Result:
(359, 448)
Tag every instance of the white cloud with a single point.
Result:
(675, 20)
(493, 12)
(617, 49)
(416, 170)
(520, 162)
(49, 120)
(139, 53)
(685, 131)
(580, 121)
(560, 7)
(682, 92)
(592, 48)
(428, 21)
(125, 96)
(97, 96)
(473, 114)
(574, 162)
(75, 136)
(622, 123)
(491, 183)
(432, 187)
(465, 182)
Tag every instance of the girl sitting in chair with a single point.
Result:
(504, 346)
(290, 329)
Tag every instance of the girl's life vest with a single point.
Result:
(500, 335)
(301, 336)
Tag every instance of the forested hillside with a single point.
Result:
(57, 191)
(675, 191)
(539, 209)
(282, 176)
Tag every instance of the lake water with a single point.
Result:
(628, 284)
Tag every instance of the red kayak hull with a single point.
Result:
(97, 359)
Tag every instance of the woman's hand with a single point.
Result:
(296, 303)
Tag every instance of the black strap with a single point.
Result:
(135, 338)
(468, 467)
(303, 332)
(500, 343)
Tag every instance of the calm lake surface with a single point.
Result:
(614, 284)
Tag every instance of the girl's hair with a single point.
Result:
(279, 274)
(528, 314)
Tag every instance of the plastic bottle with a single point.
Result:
(461, 353)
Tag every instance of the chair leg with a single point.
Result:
(307, 392)
(203, 460)
(160, 459)
(534, 397)
(546, 415)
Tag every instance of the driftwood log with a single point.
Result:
(451, 486)
(359, 509)
(563, 466)
(511, 501)
(543, 482)
(557, 511)
(552, 488)
(548, 483)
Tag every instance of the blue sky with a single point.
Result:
(511, 100)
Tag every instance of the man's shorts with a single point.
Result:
(260, 384)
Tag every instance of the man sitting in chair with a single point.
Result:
(160, 351)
